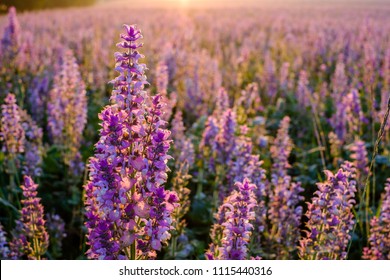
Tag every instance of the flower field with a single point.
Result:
(134, 133)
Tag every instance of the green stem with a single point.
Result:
(133, 252)
(199, 188)
(174, 245)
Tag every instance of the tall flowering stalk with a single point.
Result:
(348, 118)
(228, 155)
(207, 144)
(285, 217)
(128, 211)
(12, 132)
(339, 82)
(379, 239)
(179, 185)
(12, 137)
(222, 102)
(67, 111)
(270, 78)
(354, 112)
(33, 143)
(162, 81)
(222, 147)
(20, 135)
(225, 139)
(284, 77)
(335, 147)
(330, 216)
(183, 147)
(232, 231)
(284, 212)
(38, 97)
(360, 160)
(30, 238)
(303, 91)
(339, 120)
(11, 41)
(281, 149)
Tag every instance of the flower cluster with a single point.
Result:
(161, 202)
(339, 120)
(179, 185)
(360, 160)
(32, 145)
(281, 149)
(330, 216)
(128, 209)
(222, 102)
(162, 81)
(335, 147)
(349, 115)
(354, 114)
(162, 78)
(284, 213)
(284, 76)
(12, 132)
(11, 40)
(225, 139)
(285, 216)
(270, 80)
(379, 239)
(183, 147)
(37, 98)
(339, 81)
(209, 134)
(30, 238)
(67, 110)
(303, 91)
(228, 154)
(234, 220)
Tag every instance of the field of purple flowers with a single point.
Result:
(195, 134)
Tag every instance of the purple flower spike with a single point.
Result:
(222, 102)
(303, 91)
(234, 225)
(12, 133)
(379, 239)
(210, 132)
(127, 208)
(11, 40)
(339, 82)
(162, 78)
(330, 216)
(67, 110)
(285, 216)
(162, 81)
(359, 155)
(33, 144)
(284, 212)
(281, 149)
(183, 148)
(349, 116)
(225, 140)
(30, 238)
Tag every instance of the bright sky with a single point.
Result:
(235, 3)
